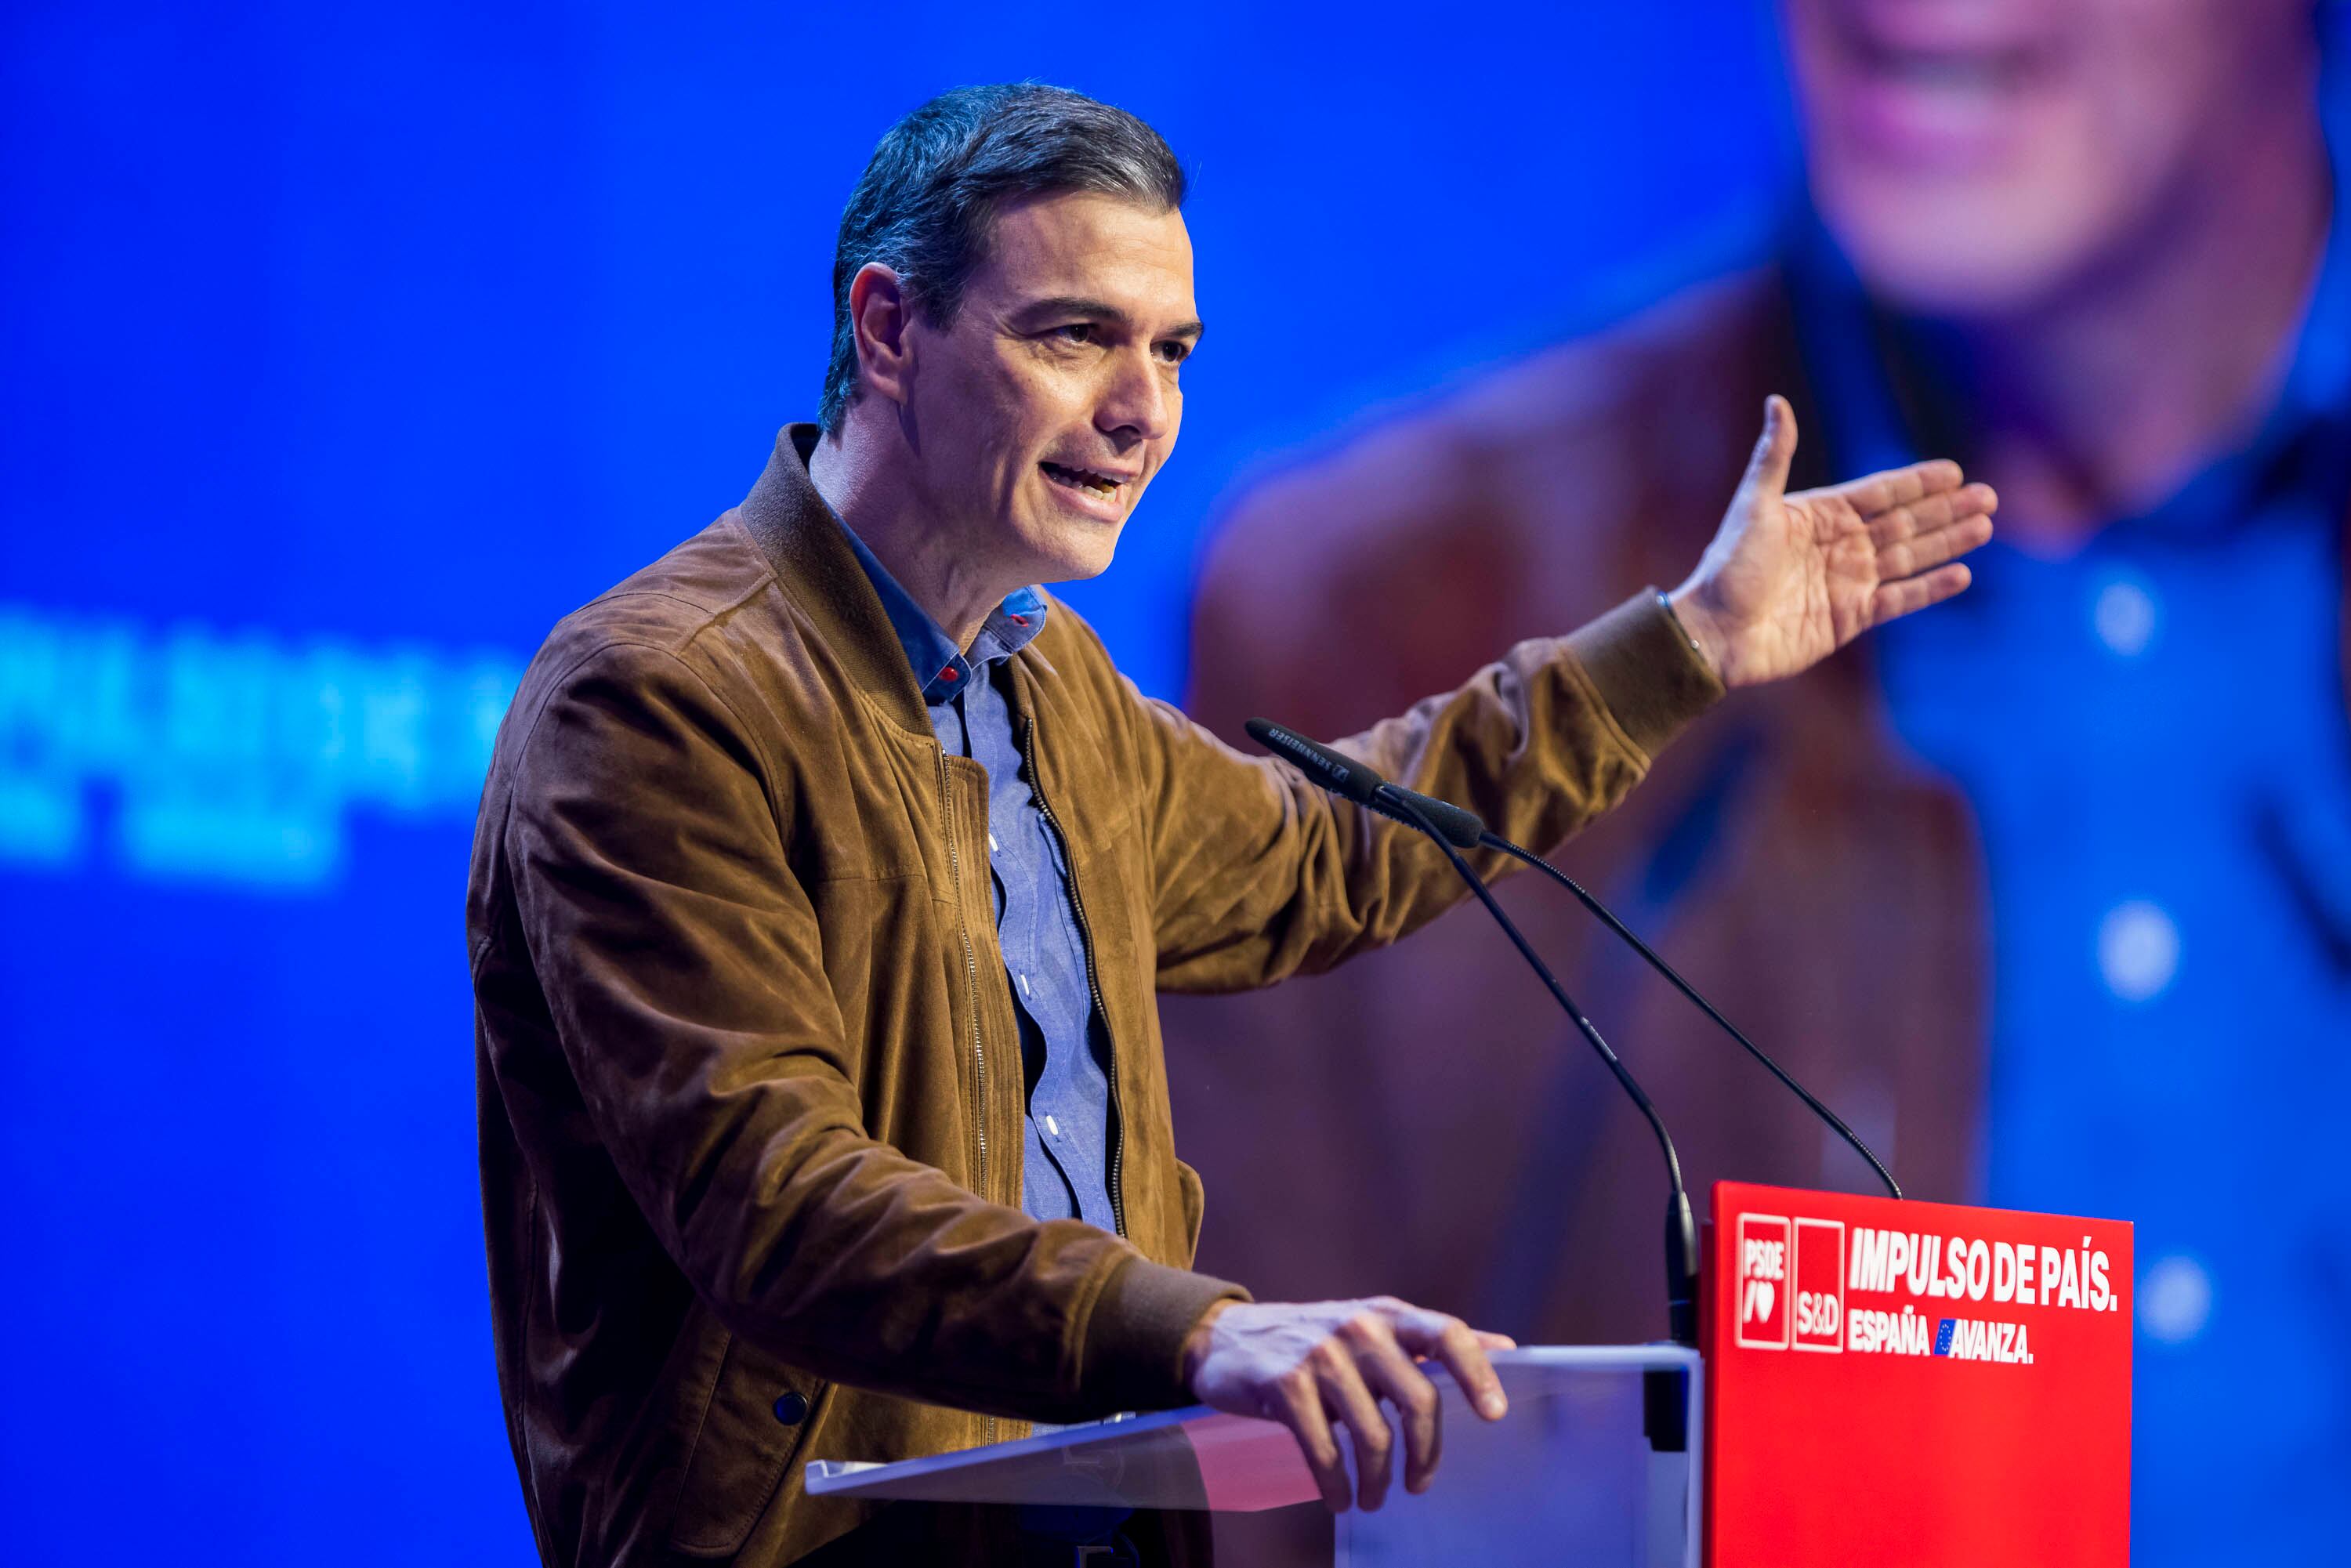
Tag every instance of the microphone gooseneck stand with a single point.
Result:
(1681, 1226)
(1453, 829)
(1664, 1399)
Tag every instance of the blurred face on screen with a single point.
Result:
(1039, 416)
(1977, 156)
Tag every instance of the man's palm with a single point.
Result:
(1789, 580)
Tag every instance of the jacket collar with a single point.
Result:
(818, 571)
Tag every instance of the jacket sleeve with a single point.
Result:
(681, 961)
(1262, 875)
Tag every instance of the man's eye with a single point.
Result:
(1075, 332)
(1174, 352)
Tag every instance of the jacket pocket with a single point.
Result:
(759, 1413)
(1196, 1204)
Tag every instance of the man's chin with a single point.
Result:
(1917, 258)
(1070, 548)
(1078, 566)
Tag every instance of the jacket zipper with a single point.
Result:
(971, 973)
(1094, 980)
(971, 1002)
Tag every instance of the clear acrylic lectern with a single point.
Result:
(1571, 1476)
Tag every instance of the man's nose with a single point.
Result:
(1136, 405)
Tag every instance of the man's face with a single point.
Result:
(1039, 416)
(1973, 157)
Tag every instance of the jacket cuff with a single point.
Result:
(1134, 1357)
(1650, 675)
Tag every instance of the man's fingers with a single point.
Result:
(1297, 1403)
(1486, 1341)
(1912, 556)
(1937, 511)
(1393, 1377)
(1767, 468)
(1345, 1397)
(1463, 1350)
(1895, 599)
(1875, 493)
(1318, 1367)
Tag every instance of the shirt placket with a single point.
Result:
(1022, 930)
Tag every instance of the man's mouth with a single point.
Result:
(1984, 74)
(1091, 481)
(1980, 53)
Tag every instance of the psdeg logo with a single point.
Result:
(1789, 1291)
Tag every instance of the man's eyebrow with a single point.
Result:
(1063, 305)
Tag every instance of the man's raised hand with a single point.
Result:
(1789, 580)
(1325, 1365)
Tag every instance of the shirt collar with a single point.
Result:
(941, 669)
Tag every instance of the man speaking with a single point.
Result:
(827, 870)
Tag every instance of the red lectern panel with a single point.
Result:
(1914, 1383)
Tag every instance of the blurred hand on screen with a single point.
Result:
(1326, 1365)
(1789, 580)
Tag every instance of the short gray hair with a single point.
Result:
(924, 204)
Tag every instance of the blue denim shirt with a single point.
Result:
(2151, 733)
(1065, 1052)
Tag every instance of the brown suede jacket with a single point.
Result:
(750, 1083)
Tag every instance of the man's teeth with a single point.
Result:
(1980, 72)
(1083, 477)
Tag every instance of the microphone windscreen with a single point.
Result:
(1343, 776)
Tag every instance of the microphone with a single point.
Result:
(1352, 781)
(1466, 831)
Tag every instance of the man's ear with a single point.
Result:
(879, 314)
